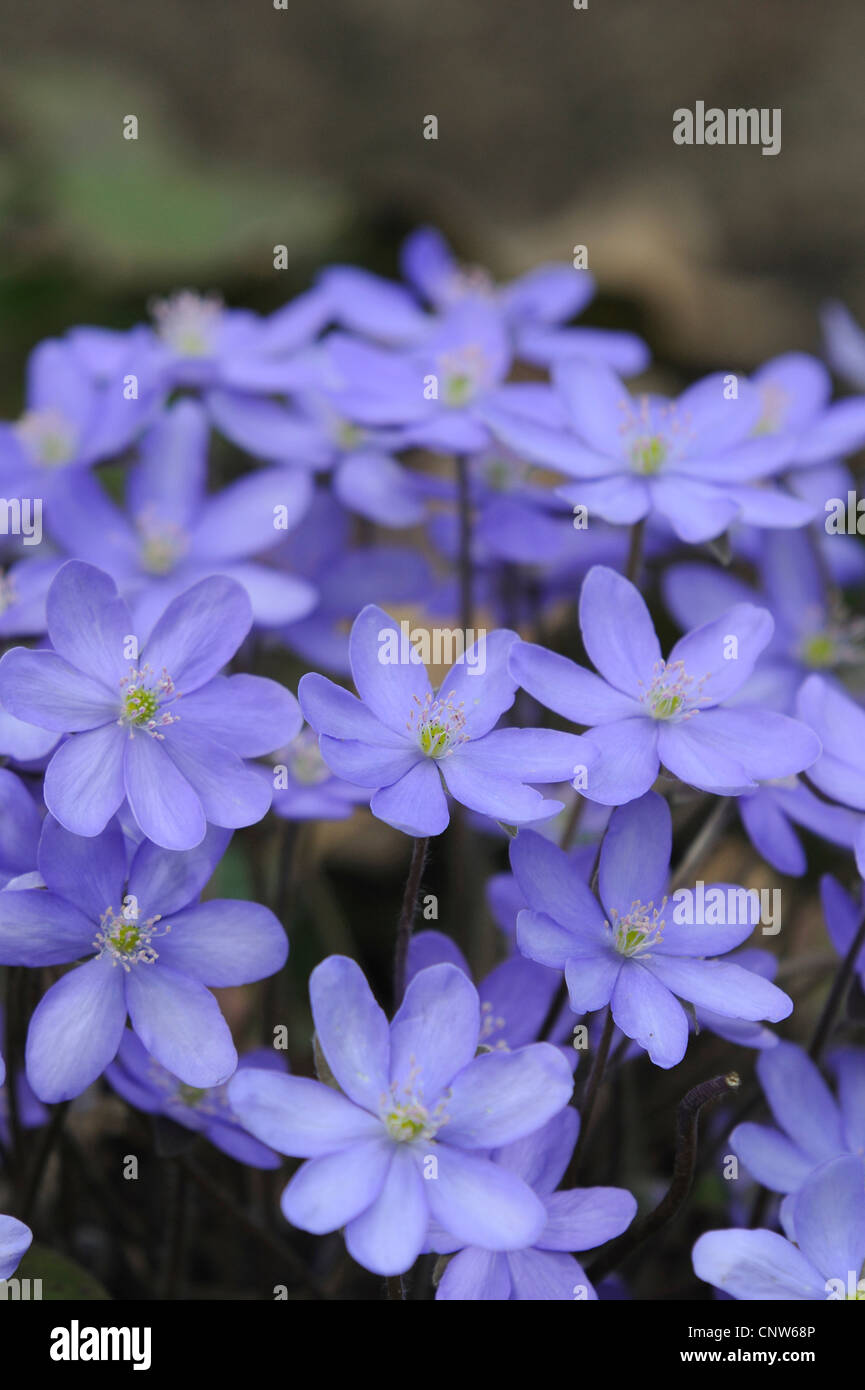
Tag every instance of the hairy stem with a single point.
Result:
(684, 1164)
(406, 917)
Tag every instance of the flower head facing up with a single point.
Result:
(410, 743)
(49, 438)
(644, 711)
(439, 724)
(634, 950)
(151, 950)
(693, 463)
(188, 323)
(402, 1144)
(126, 739)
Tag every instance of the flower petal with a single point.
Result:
(75, 1031)
(180, 1024)
(352, 1030)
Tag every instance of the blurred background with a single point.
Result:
(303, 127)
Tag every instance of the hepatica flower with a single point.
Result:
(173, 533)
(827, 1260)
(151, 951)
(205, 1110)
(579, 1219)
(692, 461)
(15, 1241)
(157, 727)
(647, 711)
(636, 950)
(403, 1142)
(811, 1125)
(410, 742)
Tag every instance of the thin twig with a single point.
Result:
(684, 1163)
(406, 917)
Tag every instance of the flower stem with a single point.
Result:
(684, 1164)
(837, 993)
(704, 841)
(406, 917)
(590, 1095)
(635, 551)
(465, 549)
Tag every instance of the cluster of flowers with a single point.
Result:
(132, 755)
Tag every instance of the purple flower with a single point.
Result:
(409, 743)
(795, 390)
(15, 1240)
(812, 1127)
(402, 1143)
(197, 343)
(840, 770)
(436, 391)
(578, 1219)
(633, 950)
(310, 432)
(828, 1218)
(156, 726)
(71, 422)
(154, 953)
(176, 533)
(534, 306)
(649, 712)
(147, 1085)
(693, 460)
(304, 786)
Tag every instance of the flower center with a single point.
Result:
(162, 544)
(405, 1115)
(187, 322)
(438, 723)
(648, 454)
(305, 761)
(142, 701)
(820, 650)
(638, 930)
(126, 938)
(191, 1096)
(776, 402)
(672, 693)
(464, 371)
(49, 438)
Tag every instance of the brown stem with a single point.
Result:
(684, 1163)
(406, 917)
(590, 1095)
